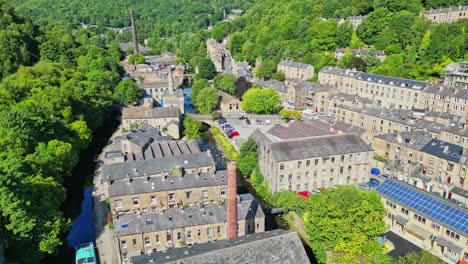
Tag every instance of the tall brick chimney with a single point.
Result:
(134, 34)
(232, 200)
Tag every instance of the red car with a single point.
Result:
(304, 194)
(234, 133)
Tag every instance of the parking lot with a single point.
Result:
(246, 130)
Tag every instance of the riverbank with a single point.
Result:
(76, 184)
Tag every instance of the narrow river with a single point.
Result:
(78, 204)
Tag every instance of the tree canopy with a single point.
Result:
(225, 82)
(47, 114)
(206, 100)
(127, 92)
(247, 159)
(192, 127)
(261, 101)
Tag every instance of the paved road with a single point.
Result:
(402, 246)
(104, 235)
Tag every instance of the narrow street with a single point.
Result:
(104, 235)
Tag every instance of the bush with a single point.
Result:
(192, 127)
(216, 116)
(287, 114)
(229, 151)
(248, 159)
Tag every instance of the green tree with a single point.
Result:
(206, 69)
(357, 63)
(127, 92)
(266, 69)
(346, 221)
(279, 76)
(207, 100)
(344, 34)
(192, 127)
(287, 114)
(355, 42)
(197, 86)
(261, 101)
(225, 82)
(371, 58)
(374, 23)
(247, 159)
(136, 59)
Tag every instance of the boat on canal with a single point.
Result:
(85, 254)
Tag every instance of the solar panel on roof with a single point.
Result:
(422, 202)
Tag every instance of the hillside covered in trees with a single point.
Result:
(307, 31)
(61, 91)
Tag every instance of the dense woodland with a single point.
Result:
(60, 93)
(272, 30)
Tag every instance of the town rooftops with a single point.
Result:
(142, 168)
(279, 86)
(426, 204)
(163, 148)
(177, 218)
(361, 51)
(348, 128)
(397, 82)
(311, 147)
(167, 183)
(302, 85)
(445, 10)
(282, 246)
(300, 129)
(339, 71)
(148, 112)
(157, 84)
(444, 150)
(289, 63)
(226, 98)
(144, 135)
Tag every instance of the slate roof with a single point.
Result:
(310, 147)
(348, 128)
(397, 82)
(279, 86)
(177, 218)
(226, 98)
(283, 132)
(361, 51)
(299, 129)
(160, 183)
(459, 191)
(148, 112)
(158, 84)
(437, 148)
(293, 64)
(339, 71)
(165, 148)
(356, 17)
(445, 10)
(141, 168)
(301, 85)
(144, 135)
(414, 140)
(283, 245)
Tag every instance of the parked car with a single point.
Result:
(385, 176)
(242, 117)
(225, 124)
(234, 133)
(258, 122)
(267, 122)
(247, 121)
(222, 121)
(364, 187)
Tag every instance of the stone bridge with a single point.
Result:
(204, 118)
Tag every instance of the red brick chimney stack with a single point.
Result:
(232, 200)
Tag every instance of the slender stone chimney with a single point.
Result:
(232, 200)
(134, 34)
(171, 81)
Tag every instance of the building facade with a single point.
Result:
(430, 164)
(166, 119)
(445, 15)
(384, 121)
(310, 163)
(456, 75)
(296, 70)
(430, 222)
(146, 233)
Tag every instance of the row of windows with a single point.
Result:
(324, 161)
(315, 174)
(170, 196)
